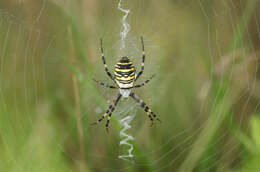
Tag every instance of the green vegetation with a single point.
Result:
(206, 91)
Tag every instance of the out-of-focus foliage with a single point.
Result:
(252, 144)
(206, 91)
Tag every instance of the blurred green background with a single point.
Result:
(204, 52)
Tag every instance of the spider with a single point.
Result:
(124, 77)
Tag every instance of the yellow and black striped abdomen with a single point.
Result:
(124, 73)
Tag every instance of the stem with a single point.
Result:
(77, 106)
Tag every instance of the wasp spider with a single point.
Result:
(124, 77)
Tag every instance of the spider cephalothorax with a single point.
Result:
(124, 77)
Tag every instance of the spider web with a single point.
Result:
(130, 46)
(225, 65)
(24, 59)
(221, 72)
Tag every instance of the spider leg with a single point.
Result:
(104, 62)
(148, 111)
(145, 82)
(104, 84)
(143, 59)
(112, 109)
(109, 112)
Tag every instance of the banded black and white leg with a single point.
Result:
(143, 59)
(148, 111)
(109, 112)
(104, 62)
(105, 85)
(145, 82)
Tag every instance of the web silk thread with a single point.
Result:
(125, 122)
(126, 27)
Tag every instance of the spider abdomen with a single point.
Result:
(124, 73)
